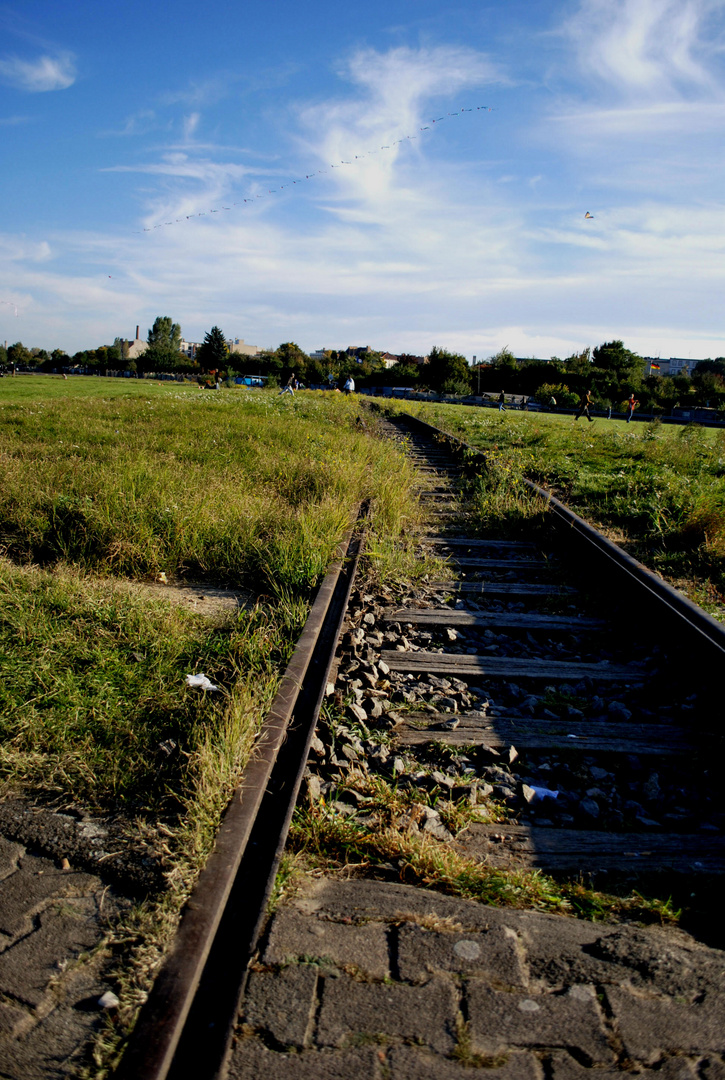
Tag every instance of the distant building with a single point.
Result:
(188, 348)
(676, 365)
(135, 348)
(237, 345)
(679, 366)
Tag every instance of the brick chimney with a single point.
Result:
(137, 334)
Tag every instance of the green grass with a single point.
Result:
(139, 478)
(659, 490)
(92, 682)
(328, 840)
(110, 481)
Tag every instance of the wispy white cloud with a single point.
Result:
(384, 114)
(41, 74)
(140, 122)
(655, 49)
(191, 123)
(652, 121)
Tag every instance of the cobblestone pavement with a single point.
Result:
(50, 982)
(363, 979)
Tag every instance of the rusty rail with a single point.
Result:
(185, 1025)
(705, 631)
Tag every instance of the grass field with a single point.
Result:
(109, 482)
(656, 489)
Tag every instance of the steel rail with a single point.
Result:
(707, 631)
(185, 1025)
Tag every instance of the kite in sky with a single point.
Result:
(319, 172)
(12, 305)
(588, 215)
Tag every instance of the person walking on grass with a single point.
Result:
(349, 386)
(502, 402)
(632, 404)
(289, 386)
(584, 404)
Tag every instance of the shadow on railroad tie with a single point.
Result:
(613, 785)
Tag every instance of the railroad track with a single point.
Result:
(586, 723)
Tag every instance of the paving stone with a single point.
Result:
(405, 1063)
(493, 953)
(34, 883)
(10, 855)
(361, 900)
(559, 951)
(251, 1060)
(58, 1044)
(666, 959)
(561, 1066)
(650, 1026)
(293, 935)
(571, 1020)
(27, 967)
(282, 1003)
(423, 1013)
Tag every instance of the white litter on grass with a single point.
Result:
(200, 682)
(109, 1000)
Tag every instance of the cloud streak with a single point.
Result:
(40, 75)
(654, 49)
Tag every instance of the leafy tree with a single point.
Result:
(162, 354)
(59, 357)
(537, 373)
(716, 367)
(578, 369)
(668, 393)
(291, 356)
(121, 345)
(709, 389)
(404, 373)
(563, 396)
(3, 355)
(19, 355)
(504, 357)
(164, 334)
(447, 370)
(616, 371)
(213, 351)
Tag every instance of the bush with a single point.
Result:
(565, 399)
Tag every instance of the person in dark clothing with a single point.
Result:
(584, 403)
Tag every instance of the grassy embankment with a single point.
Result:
(656, 489)
(108, 484)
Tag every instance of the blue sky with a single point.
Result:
(116, 119)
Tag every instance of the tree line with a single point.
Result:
(610, 371)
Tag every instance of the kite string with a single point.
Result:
(319, 172)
